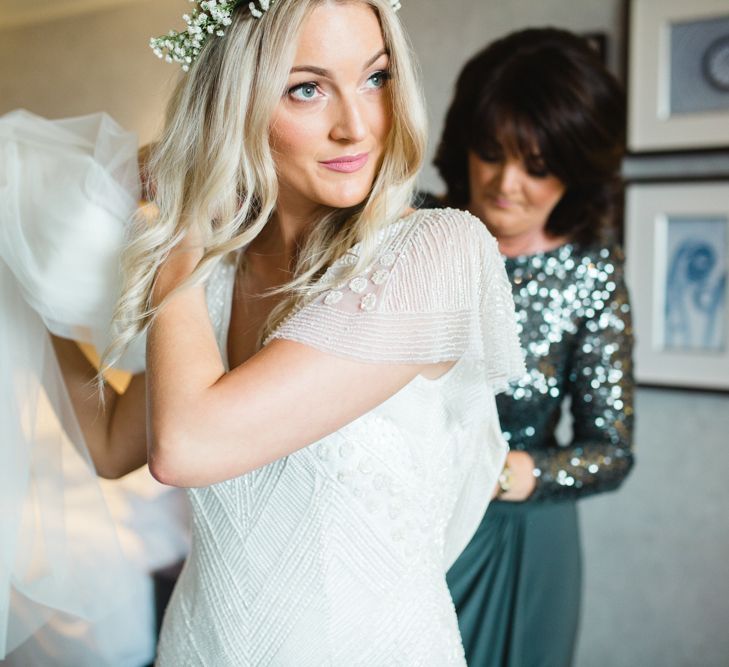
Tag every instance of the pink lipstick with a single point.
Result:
(501, 202)
(347, 163)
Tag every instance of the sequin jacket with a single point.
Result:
(575, 325)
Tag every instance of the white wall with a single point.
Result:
(657, 581)
(94, 61)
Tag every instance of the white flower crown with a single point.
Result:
(211, 17)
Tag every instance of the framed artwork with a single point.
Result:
(677, 252)
(678, 75)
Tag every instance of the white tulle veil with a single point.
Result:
(67, 190)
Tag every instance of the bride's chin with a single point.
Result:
(346, 198)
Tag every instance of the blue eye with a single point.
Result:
(304, 92)
(379, 79)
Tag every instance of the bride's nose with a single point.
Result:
(349, 122)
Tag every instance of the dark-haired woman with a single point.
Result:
(532, 146)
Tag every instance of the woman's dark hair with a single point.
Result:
(543, 91)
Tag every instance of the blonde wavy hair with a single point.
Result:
(213, 169)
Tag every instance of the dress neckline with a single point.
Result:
(564, 250)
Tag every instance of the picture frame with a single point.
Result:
(677, 262)
(678, 82)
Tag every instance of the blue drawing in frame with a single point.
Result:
(695, 294)
(699, 76)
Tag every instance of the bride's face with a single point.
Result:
(329, 129)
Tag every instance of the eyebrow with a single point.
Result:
(327, 74)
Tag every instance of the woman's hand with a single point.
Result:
(523, 482)
(185, 256)
(179, 265)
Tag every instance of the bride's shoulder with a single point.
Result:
(445, 230)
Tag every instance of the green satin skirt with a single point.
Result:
(517, 586)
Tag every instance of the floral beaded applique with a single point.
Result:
(333, 297)
(379, 277)
(358, 285)
(364, 285)
(369, 301)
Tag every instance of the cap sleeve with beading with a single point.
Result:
(436, 291)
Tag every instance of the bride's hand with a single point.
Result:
(186, 254)
(179, 265)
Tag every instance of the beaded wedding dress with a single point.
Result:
(337, 554)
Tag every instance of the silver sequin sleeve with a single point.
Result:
(576, 329)
(600, 384)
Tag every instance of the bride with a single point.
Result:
(316, 350)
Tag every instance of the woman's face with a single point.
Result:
(329, 130)
(514, 200)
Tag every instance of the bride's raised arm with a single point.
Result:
(113, 426)
(331, 361)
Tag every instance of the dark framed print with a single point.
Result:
(677, 251)
(678, 75)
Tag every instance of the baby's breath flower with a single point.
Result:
(209, 17)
